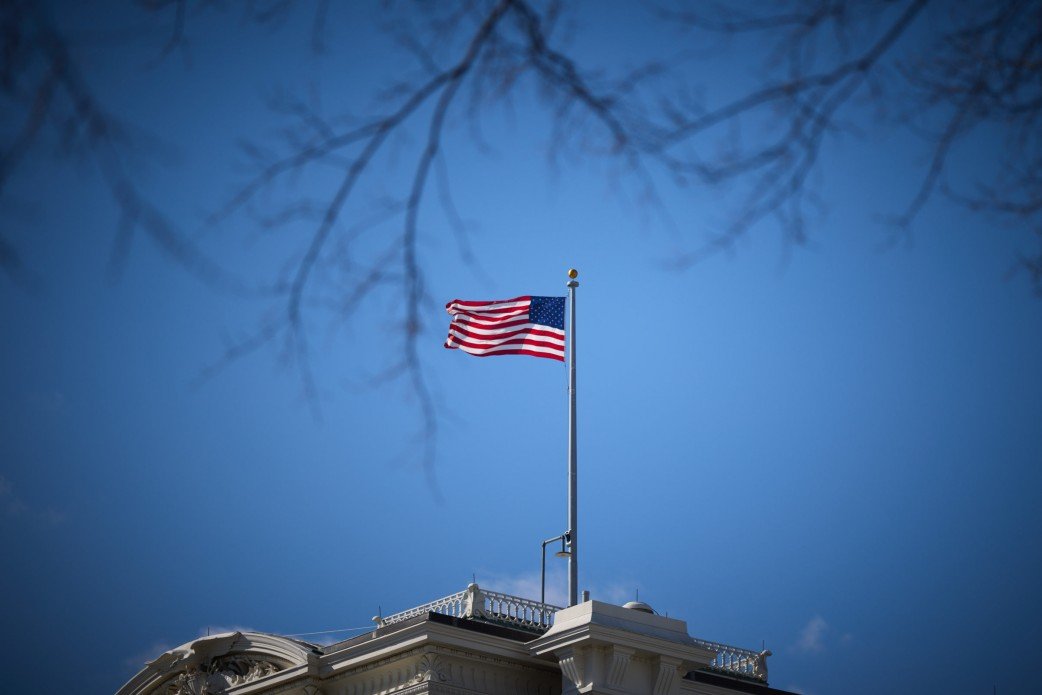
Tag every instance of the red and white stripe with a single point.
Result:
(501, 328)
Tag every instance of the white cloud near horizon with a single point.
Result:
(812, 636)
(526, 585)
(138, 661)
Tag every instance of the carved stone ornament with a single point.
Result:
(667, 677)
(572, 665)
(220, 674)
(430, 669)
(620, 659)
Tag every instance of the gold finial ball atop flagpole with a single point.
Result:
(573, 273)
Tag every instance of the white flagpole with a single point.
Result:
(573, 515)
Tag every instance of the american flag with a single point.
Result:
(520, 326)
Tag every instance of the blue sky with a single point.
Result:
(832, 449)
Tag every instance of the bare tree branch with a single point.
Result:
(974, 65)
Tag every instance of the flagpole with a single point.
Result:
(573, 514)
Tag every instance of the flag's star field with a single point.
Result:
(548, 311)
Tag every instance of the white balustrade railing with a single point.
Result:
(517, 611)
(455, 605)
(475, 602)
(737, 661)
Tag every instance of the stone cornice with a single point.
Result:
(426, 632)
(600, 635)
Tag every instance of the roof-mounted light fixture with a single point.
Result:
(563, 552)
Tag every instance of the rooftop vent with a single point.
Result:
(639, 606)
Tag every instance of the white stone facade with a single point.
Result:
(486, 646)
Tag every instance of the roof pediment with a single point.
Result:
(216, 663)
